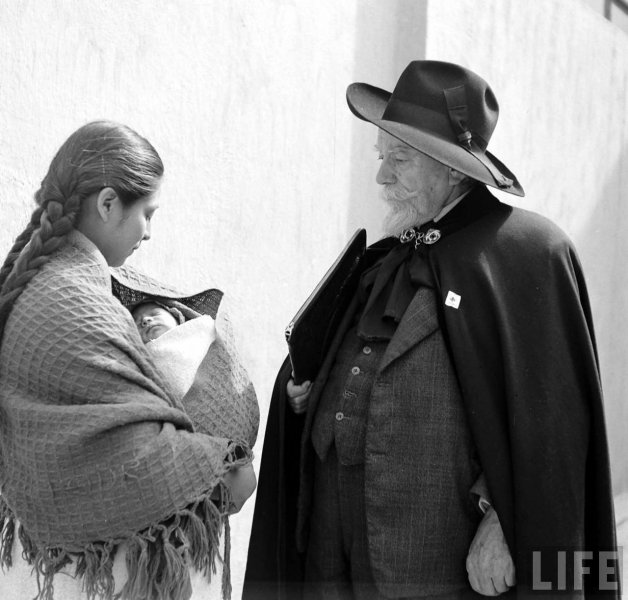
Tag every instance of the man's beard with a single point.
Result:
(402, 209)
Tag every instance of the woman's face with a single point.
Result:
(127, 228)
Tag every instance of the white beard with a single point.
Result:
(402, 211)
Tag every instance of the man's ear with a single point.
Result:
(456, 177)
(107, 202)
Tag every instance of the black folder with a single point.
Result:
(311, 331)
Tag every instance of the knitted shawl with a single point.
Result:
(95, 448)
(221, 401)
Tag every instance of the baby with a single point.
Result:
(177, 346)
(153, 319)
(193, 359)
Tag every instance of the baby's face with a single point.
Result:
(152, 321)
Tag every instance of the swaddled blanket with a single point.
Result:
(95, 448)
(178, 353)
(200, 367)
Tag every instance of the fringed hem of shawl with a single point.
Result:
(158, 558)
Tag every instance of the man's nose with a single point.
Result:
(146, 321)
(385, 174)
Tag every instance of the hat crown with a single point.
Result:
(423, 85)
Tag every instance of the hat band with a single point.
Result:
(426, 119)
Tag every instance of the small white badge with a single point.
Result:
(452, 299)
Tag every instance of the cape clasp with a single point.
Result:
(431, 236)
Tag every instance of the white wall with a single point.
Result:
(618, 17)
(265, 174)
(560, 73)
(268, 172)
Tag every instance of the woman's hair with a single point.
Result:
(98, 155)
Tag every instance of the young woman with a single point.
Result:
(97, 453)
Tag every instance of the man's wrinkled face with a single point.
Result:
(414, 186)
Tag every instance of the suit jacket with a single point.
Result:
(419, 461)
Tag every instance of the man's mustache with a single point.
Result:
(395, 192)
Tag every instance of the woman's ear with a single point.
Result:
(107, 203)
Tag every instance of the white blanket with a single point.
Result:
(178, 353)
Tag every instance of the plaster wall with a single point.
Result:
(267, 172)
(560, 73)
(245, 103)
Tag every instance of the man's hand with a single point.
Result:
(298, 395)
(241, 483)
(489, 564)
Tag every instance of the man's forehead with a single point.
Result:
(388, 142)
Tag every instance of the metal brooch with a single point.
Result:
(431, 236)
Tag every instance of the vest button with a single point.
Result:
(355, 370)
(339, 416)
(366, 350)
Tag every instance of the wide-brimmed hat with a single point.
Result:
(444, 111)
(132, 287)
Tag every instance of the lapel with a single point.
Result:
(419, 320)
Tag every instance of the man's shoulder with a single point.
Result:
(534, 224)
(506, 236)
(521, 230)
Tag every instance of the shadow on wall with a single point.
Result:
(388, 36)
(603, 247)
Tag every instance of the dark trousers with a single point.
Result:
(337, 564)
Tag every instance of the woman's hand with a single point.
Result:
(298, 395)
(241, 483)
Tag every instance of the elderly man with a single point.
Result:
(453, 443)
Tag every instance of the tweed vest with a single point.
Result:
(342, 412)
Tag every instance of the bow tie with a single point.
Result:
(387, 288)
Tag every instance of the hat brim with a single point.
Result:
(368, 103)
(132, 287)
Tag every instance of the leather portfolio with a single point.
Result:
(311, 330)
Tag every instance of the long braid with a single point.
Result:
(50, 190)
(55, 222)
(19, 244)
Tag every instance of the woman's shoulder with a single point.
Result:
(71, 276)
(72, 291)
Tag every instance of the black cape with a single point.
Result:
(522, 342)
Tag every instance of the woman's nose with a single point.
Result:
(146, 321)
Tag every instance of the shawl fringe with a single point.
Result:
(158, 558)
